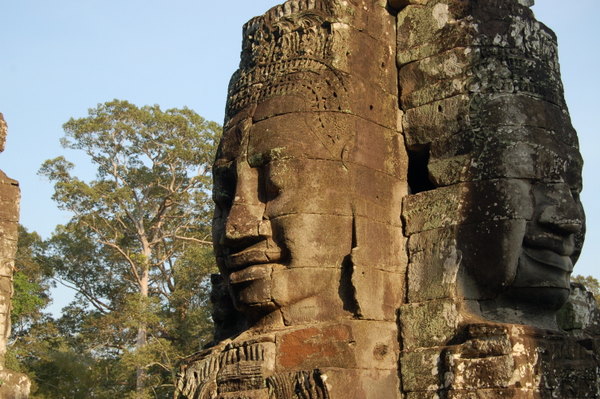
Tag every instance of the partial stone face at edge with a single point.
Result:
(14, 385)
(494, 222)
(3, 132)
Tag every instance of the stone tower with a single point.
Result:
(397, 210)
(14, 385)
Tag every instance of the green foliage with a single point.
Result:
(28, 297)
(591, 283)
(59, 367)
(137, 248)
(31, 280)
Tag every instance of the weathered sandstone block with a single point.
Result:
(13, 385)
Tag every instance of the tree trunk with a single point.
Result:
(142, 333)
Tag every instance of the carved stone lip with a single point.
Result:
(253, 272)
(543, 240)
(252, 256)
(549, 257)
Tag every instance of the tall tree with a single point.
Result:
(134, 227)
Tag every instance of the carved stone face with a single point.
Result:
(310, 173)
(283, 223)
(297, 215)
(550, 246)
(542, 238)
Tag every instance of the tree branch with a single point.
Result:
(192, 239)
(98, 304)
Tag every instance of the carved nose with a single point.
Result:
(244, 219)
(243, 222)
(564, 223)
(563, 213)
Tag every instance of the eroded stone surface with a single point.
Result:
(3, 132)
(14, 385)
(494, 221)
(350, 359)
(486, 123)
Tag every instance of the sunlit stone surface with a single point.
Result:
(13, 385)
(397, 210)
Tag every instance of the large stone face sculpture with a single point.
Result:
(13, 385)
(311, 170)
(485, 106)
(309, 179)
(494, 224)
(397, 210)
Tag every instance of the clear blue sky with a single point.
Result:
(58, 58)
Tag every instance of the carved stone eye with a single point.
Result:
(224, 187)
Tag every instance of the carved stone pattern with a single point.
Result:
(235, 369)
(300, 385)
(283, 57)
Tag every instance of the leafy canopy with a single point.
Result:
(137, 248)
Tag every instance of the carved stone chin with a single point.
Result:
(397, 210)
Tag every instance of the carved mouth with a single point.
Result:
(543, 240)
(250, 273)
(549, 257)
(257, 254)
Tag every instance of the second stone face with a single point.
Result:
(487, 123)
